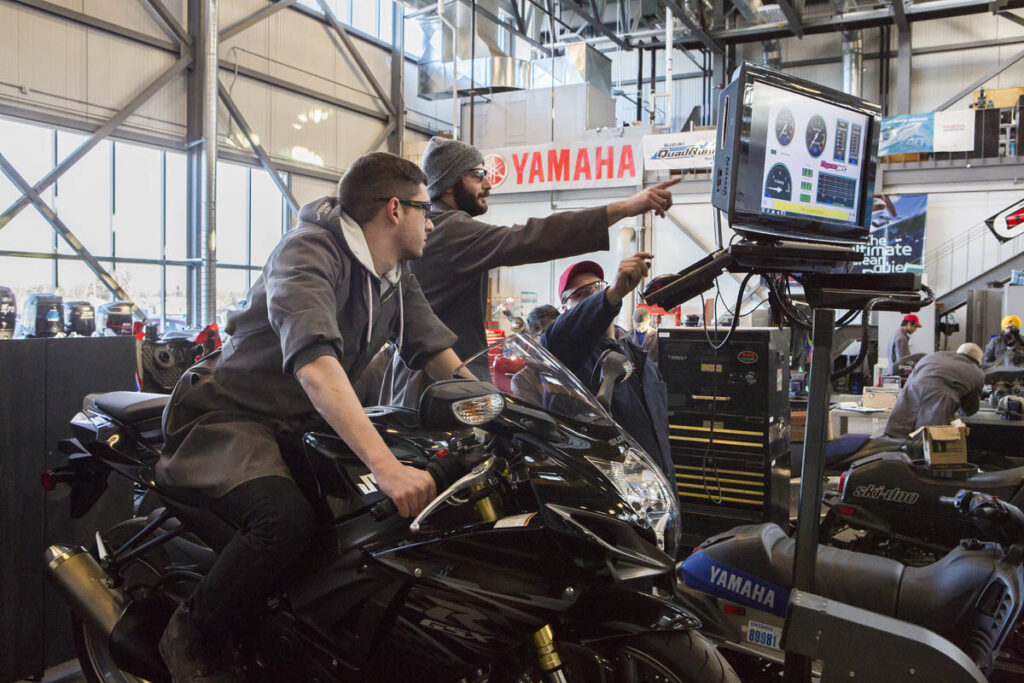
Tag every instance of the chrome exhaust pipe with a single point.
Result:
(84, 584)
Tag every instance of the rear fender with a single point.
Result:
(85, 473)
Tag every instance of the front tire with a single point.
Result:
(672, 657)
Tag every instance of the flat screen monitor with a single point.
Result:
(794, 160)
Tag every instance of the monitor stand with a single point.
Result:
(793, 257)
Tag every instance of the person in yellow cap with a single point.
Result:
(1006, 348)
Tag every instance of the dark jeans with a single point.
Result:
(275, 524)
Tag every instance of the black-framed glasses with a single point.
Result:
(584, 291)
(477, 173)
(419, 204)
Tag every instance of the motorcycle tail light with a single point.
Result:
(478, 410)
(48, 480)
(735, 609)
(842, 482)
(847, 510)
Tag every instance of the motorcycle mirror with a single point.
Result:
(612, 367)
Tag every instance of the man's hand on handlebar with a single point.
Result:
(410, 488)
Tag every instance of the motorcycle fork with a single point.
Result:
(547, 655)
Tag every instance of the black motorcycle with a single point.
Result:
(739, 582)
(547, 555)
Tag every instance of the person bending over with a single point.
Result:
(333, 291)
(941, 383)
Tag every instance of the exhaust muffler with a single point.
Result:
(84, 584)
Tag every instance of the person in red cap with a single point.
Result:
(587, 329)
(899, 345)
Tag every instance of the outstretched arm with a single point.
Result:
(328, 387)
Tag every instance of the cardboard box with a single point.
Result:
(879, 398)
(797, 425)
(996, 98)
(945, 446)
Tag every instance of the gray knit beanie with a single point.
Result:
(444, 162)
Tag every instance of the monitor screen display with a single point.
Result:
(801, 158)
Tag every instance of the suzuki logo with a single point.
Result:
(367, 484)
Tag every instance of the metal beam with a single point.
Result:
(699, 33)
(167, 21)
(795, 23)
(356, 56)
(899, 15)
(397, 123)
(256, 17)
(99, 24)
(379, 140)
(982, 81)
(593, 17)
(484, 12)
(261, 154)
(101, 133)
(54, 220)
(1012, 17)
(517, 14)
(904, 56)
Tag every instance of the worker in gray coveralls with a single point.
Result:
(461, 250)
(899, 345)
(333, 291)
(941, 383)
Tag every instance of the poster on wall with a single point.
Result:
(896, 244)
(565, 166)
(941, 131)
(688, 150)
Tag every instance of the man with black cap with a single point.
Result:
(899, 345)
(461, 250)
(587, 329)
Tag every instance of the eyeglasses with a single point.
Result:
(584, 291)
(426, 206)
(477, 173)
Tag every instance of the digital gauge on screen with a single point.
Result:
(784, 127)
(816, 135)
(778, 184)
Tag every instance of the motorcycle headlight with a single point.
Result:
(647, 491)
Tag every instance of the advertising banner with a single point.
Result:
(565, 166)
(692, 150)
(941, 131)
(954, 130)
(906, 134)
(896, 244)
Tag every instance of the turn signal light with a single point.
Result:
(48, 480)
(478, 410)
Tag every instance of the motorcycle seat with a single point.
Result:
(765, 551)
(938, 596)
(1010, 479)
(847, 447)
(128, 407)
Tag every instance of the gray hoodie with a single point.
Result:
(231, 414)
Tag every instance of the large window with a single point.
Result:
(127, 204)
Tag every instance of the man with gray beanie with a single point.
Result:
(461, 250)
(941, 383)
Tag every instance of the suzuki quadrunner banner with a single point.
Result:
(688, 150)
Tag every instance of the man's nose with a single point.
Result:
(430, 226)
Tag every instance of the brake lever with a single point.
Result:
(475, 476)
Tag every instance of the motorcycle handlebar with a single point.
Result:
(996, 517)
(445, 472)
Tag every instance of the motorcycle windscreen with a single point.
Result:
(521, 367)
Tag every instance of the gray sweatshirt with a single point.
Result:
(231, 414)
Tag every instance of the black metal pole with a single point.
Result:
(798, 667)
(654, 79)
(472, 72)
(640, 84)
